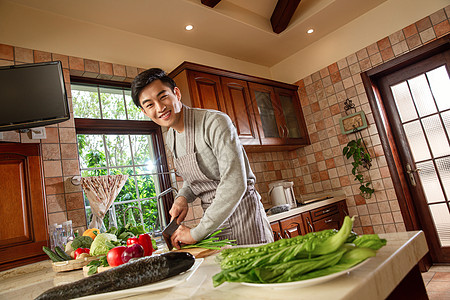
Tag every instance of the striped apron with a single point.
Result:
(248, 223)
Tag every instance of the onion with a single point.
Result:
(133, 251)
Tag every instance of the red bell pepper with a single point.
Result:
(132, 240)
(146, 242)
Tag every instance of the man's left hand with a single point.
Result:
(182, 236)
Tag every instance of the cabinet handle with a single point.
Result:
(287, 234)
(283, 134)
(309, 224)
(279, 236)
(326, 211)
(328, 221)
(287, 130)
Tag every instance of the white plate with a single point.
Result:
(304, 283)
(160, 285)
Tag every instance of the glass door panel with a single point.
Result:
(267, 114)
(292, 127)
(417, 141)
(422, 103)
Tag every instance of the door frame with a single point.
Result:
(370, 80)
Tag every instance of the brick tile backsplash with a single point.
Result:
(6, 52)
(41, 56)
(23, 55)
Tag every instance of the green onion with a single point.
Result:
(211, 242)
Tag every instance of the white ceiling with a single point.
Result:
(235, 28)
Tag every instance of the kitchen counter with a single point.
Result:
(375, 279)
(338, 196)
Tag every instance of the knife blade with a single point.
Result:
(168, 231)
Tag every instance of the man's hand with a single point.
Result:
(179, 209)
(182, 236)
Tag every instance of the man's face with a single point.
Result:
(162, 105)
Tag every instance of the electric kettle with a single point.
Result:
(282, 192)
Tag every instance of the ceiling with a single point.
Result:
(239, 29)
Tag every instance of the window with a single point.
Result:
(114, 137)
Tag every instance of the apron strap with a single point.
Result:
(189, 126)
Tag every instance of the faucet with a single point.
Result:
(125, 213)
(161, 216)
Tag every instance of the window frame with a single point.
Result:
(147, 127)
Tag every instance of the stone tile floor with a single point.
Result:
(437, 282)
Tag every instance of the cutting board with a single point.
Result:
(199, 252)
(69, 265)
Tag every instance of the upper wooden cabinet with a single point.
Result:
(267, 114)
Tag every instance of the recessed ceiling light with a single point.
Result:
(310, 31)
(189, 27)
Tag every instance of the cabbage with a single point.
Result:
(100, 245)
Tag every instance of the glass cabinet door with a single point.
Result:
(291, 128)
(267, 114)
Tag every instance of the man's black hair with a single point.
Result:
(147, 77)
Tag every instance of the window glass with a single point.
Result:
(118, 153)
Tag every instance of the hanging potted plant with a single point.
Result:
(361, 159)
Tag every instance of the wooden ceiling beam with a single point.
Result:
(210, 3)
(282, 14)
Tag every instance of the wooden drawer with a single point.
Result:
(330, 222)
(323, 212)
(291, 227)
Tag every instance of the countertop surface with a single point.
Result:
(375, 279)
(306, 207)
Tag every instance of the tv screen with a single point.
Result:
(32, 95)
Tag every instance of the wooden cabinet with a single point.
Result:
(330, 216)
(267, 114)
(276, 230)
(279, 117)
(239, 107)
(23, 218)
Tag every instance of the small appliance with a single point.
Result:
(282, 192)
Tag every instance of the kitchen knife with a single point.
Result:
(168, 231)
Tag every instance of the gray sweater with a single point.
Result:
(221, 157)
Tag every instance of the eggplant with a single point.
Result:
(136, 273)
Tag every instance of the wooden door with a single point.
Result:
(239, 107)
(268, 114)
(23, 218)
(206, 91)
(417, 102)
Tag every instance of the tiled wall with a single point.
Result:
(313, 169)
(321, 166)
(59, 149)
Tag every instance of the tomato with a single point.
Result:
(114, 256)
(146, 242)
(132, 240)
(81, 250)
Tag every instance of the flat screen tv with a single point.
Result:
(32, 95)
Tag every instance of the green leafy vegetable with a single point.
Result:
(371, 241)
(94, 264)
(82, 241)
(303, 257)
(100, 245)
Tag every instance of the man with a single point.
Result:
(212, 162)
